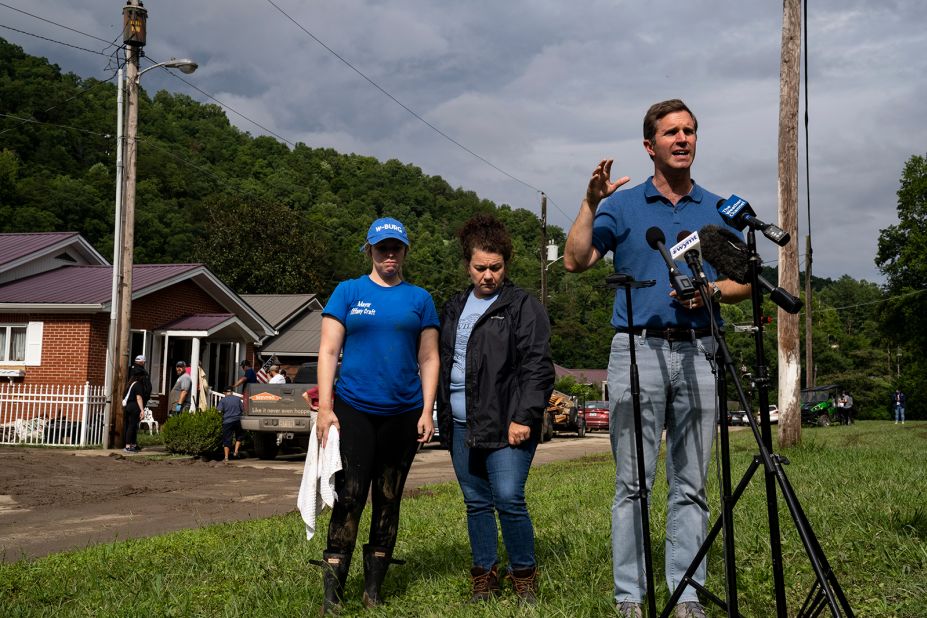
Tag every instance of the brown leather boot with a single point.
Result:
(485, 583)
(525, 582)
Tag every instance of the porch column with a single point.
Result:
(195, 370)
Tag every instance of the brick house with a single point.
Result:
(55, 297)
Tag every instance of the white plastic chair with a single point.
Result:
(148, 419)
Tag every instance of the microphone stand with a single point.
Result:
(621, 280)
(826, 590)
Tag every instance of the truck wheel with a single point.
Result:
(824, 420)
(581, 427)
(547, 428)
(265, 445)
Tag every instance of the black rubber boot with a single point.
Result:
(376, 562)
(335, 572)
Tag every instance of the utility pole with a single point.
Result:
(134, 17)
(543, 251)
(810, 380)
(113, 331)
(788, 325)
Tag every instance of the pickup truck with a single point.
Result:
(277, 415)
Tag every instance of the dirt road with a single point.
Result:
(52, 500)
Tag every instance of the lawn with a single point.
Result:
(862, 488)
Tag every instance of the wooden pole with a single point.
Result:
(124, 320)
(788, 325)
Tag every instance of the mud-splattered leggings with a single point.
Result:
(374, 449)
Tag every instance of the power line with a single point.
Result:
(401, 104)
(45, 38)
(224, 105)
(865, 304)
(13, 8)
(259, 125)
(54, 124)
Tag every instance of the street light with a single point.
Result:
(185, 65)
(135, 29)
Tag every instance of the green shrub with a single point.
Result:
(194, 434)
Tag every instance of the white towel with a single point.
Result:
(317, 489)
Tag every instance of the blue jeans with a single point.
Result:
(899, 413)
(678, 393)
(493, 480)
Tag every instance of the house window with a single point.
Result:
(12, 342)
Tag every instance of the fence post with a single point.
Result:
(85, 414)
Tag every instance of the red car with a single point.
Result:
(596, 414)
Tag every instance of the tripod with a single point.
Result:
(621, 280)
(826, 591)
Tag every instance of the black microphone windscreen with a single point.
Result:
(681, 236)
(655, 235)
(725, 250)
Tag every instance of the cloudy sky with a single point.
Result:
(544, 90)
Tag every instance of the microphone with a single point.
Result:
(683, 286)
(737, 212)
(688, 247)
(724, 250)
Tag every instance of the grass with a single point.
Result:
(861, 486)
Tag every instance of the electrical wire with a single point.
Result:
(259, 125)
(54, 124)
(45, 38)
(222, 104)
(401, 104)
(54, 23)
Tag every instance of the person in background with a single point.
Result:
(286, 377)
(848, 407)
(232, 410)
(381, 403)
(180, 395)
(496, 378)
(246, 375)
(672, 336)
(898, 401)
(275, 376)
(311, 397)
(133, 406)
(842, 408)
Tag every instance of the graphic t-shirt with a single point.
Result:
(379, 367)
(472, 311)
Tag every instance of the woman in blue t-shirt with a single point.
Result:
(385, 330)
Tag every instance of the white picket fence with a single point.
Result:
(54, 415)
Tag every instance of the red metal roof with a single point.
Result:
(16, 246)
(200, 321)
(85, 285)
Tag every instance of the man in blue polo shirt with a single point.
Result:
(676, 384)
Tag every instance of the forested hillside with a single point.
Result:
(268, 218)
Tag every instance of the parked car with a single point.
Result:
(596, 415)
(773, 415)
(737, 417)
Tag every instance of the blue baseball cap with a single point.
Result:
(384, 228)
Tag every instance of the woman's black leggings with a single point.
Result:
(375, 450)
(130, 423)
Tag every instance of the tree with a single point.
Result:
(902, 257)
